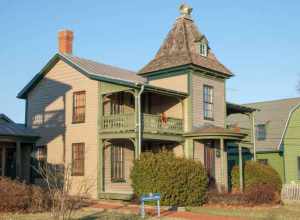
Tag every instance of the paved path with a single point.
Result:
(123, 208)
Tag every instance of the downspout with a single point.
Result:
(140, 120)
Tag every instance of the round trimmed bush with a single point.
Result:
(256, 174)
(180, 181)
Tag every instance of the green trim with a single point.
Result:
(165, 71)
(38, 77)
(177, 138)
(186, 66)
(100, 176)
(190, 102)
(166, 74)
(26, 113)
(163, 91)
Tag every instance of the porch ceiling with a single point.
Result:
(235, 109)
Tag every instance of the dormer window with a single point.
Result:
(203, 49)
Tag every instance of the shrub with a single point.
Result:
(261, 194)
(16, 196)
(256, 174)
(227, 199)
(181, 182)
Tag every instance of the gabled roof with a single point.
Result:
(91, 69)
(3, 117)
(11, 128)
(97, 71)
(274, 114)
(181, 48)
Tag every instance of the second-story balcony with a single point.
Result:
(150, 123)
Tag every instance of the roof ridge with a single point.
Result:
(100, 63)
(274, 100)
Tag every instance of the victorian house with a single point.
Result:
(98, 118)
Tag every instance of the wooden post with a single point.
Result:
(241, 168)
(222, 164)
(18, 160)
(253, 135)
(3, 160)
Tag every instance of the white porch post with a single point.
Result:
(18, 160)
(241, 168)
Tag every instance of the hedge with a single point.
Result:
(181, 182)
(256, 174)
(16, 196)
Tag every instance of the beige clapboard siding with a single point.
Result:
(128, 157)
(177, 83)
(50, 114)
(219, 100)
(171, 106)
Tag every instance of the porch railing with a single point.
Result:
(116, 123)
(155, 123)
(151, 123)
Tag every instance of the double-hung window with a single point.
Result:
(117, 163)
(208, 102)
(79, 107)
(261, 132)
(78, 159)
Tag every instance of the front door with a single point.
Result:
(209, 161)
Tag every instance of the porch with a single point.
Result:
(16, 144)
(156, 111)
(118, 156)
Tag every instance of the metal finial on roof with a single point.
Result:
(185, 10)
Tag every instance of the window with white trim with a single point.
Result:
(203, 49)
(208, 102)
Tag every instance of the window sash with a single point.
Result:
(203, 49)
(208, 105)
(261, 132)
(79, 103)
(117, 163)
(78, 159)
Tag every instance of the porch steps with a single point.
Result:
(116, 196)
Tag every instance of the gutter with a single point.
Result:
(140, 120)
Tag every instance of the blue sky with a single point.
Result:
(258, 40)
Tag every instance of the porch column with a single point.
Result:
(3, 160)
(137, 147)
(18, 160)
(101, 167)
(241, 168)
(223, 166)
(252, 115)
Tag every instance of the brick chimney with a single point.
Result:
(65, 41)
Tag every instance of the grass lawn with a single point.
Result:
(287, 212)
(79, 215)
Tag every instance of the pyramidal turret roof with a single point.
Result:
(181, 47)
